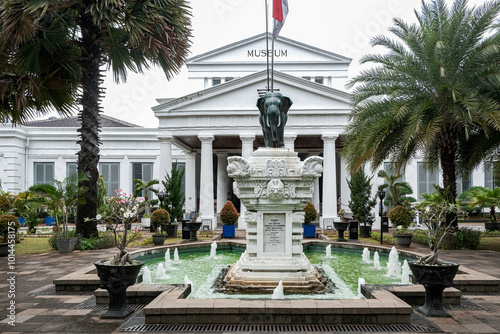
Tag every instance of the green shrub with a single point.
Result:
(464, 238)
(229, 215)
(147, 242)
(388, 239)
(420, 237)
(5, 222)
(310, 213)
(399, 215)
(160, 218)
(4, 204)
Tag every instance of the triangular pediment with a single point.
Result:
(253, 50)
(240, 96)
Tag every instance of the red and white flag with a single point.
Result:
(280, 11)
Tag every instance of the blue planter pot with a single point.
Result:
(309, 231)
(22, 221)
(49, 221)
(228, 231)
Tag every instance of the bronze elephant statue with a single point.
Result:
(273, 117)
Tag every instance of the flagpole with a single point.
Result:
(272, 66)
(267, 43)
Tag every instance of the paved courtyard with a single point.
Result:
(39, 309)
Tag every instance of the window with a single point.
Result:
(142, 171)
(216, 81)
(307, 78)
(319, 80)
(491, 178)
(110, 172)
(464, 184)
(426, 180)
(182, 166)
(229, 79)
(71, 169)
(44, 172)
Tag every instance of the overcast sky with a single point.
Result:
(342, 27)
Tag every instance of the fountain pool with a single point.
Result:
(344, 268)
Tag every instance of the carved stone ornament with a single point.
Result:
(275, 189)
(238, 167)
(312, 167)
(250, 217)
(298, 217)
(276, 168)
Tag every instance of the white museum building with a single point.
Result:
(220, 119)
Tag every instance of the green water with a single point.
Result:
(344, 269)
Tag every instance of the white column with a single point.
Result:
(246, 152)
(290, 141)
(329, 179)
(315, 198)
(165, 155)
(190, 176)
(222, 180)
(207, 181)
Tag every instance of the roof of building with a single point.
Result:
(74, 122)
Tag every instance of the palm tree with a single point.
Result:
(395, 189)
(143, 186)
(485, 197)
(435, 89)
(121, 34)
(37, 72)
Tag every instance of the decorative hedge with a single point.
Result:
(310, 213)
(229, 215)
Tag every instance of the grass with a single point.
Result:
(38, 245)
(490, 243)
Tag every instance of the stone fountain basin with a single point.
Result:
(384, 304)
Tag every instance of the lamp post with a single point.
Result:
(161, 196)
(381, 195)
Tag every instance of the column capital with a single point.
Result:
(206, 138)
(165, 137)
(329, 136)
(247, 137)
(221, 154)
(290, 136)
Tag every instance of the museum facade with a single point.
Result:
(220, 119)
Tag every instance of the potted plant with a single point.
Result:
(400, 216)
(8, 223)
(119, 273)
(60, 197)
(159, 220)
(229, 216)
(361, 202)
(434, 274)
(310, 214)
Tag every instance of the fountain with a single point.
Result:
(176, 256)
(160, 271)
(188, 282)
(393, 266)
(274, 185)
(213, 249)
(278, 292)
(366, 255)
(361, 281)
(168, 262)
(328, 252)
(146, 276)
(376, 261)
(405, 273)
(167, 255)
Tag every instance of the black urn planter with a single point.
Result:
(491, 226)
(364, 231)
(404, 240)
(4, 249)
(66, 245)
(171, 230)
(341, 228)
(193, 228)
(434, 279)
(158, 239)
(116, 279)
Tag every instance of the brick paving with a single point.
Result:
(40, 310)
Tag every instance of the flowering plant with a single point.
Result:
(341, 213)
(121, 210)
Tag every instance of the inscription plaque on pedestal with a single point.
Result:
(274, 233)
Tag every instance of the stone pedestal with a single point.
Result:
(274, 185)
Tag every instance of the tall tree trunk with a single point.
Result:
(88, 157)
(447, 151)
